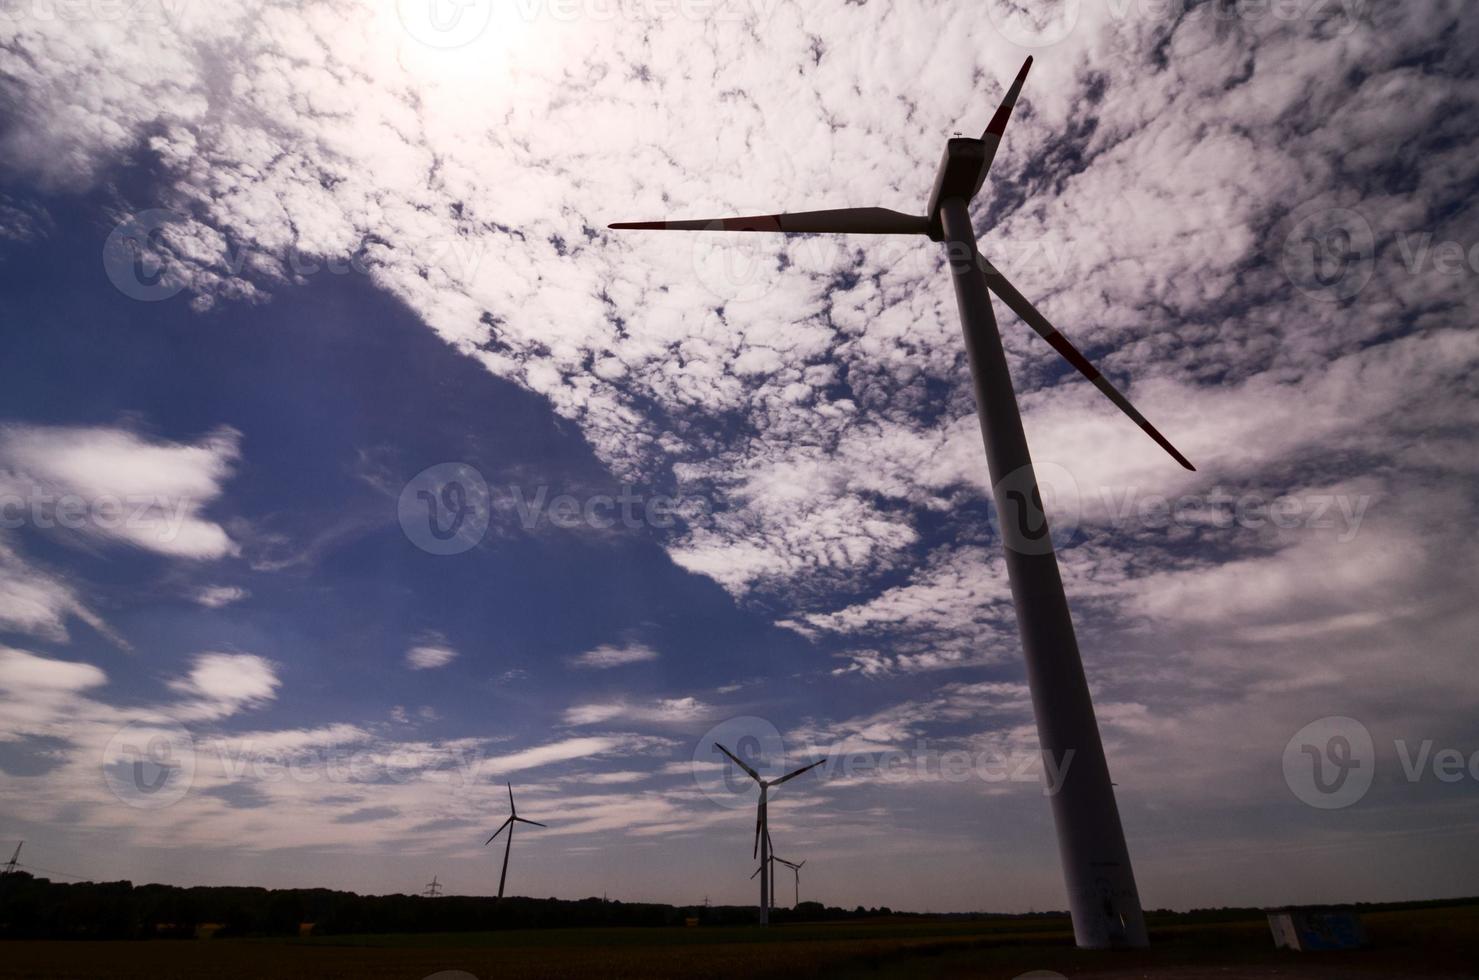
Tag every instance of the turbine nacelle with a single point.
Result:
(961, 174)
(963, 168)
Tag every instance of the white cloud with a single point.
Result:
(662, 711)
(619, 778)
(586, 747)
(26, 674)
(115, 485)
(1311, 578)
(217, 596)
(268, 743)
(956, 612)
(430, 656)
(33, 602)
(607, 655)
(221, 684)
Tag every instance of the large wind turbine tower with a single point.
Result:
(1091, 842)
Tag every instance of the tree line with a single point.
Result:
(38, 908)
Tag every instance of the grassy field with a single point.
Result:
(1420, 943)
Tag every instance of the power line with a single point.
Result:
(64, 874)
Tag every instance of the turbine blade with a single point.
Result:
(1018, 303)
(753, 774)
(992, 136)
(501, 828)
(853, 221)
(755, 851)
(798, 772)
(757, 871)
(534, 822)
(511, 806)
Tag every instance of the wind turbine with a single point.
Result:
(508, 842)
(10, 865)
(1104, 901)
(795, 870)
(762, 824)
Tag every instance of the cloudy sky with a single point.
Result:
(350, 467)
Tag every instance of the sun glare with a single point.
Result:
(452, 42)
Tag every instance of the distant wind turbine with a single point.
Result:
(513, 818)
(762, 824)
(1102, 896)
(795, 870)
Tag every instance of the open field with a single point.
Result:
(1426, 943)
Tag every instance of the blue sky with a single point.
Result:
(379, 256)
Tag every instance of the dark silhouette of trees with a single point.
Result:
(32, 907)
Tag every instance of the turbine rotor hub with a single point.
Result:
(960, 174)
